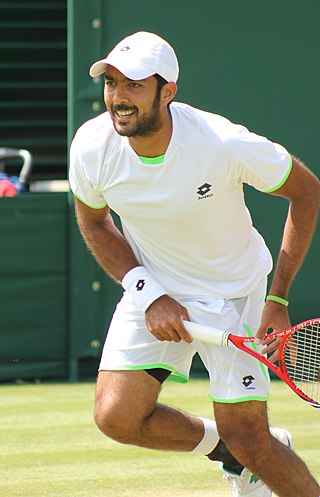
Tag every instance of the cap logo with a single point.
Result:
(125, 49)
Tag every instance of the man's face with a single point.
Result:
(134, 106)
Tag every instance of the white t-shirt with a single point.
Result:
(185, 219)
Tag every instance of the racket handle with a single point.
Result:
(207, 334)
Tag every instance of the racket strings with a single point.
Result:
(302, 359)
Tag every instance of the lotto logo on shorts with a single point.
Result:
(247, 382)
(140, 285)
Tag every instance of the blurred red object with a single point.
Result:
(7, 189)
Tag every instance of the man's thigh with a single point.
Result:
(128, 395)
(243, 420)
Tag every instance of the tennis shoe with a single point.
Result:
(249, 485)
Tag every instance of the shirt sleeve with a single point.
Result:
(257, 161)
(80, 183)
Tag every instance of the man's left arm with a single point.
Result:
(302, 189)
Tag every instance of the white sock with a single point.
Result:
(210, 437)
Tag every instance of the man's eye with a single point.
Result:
(135, 85)
(109, 83)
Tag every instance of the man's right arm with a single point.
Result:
(104, 240)
(111, 250)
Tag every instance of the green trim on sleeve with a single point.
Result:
(284, 179)
(88, 205)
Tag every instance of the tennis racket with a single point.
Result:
(298, 359)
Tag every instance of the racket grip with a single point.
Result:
(207, 334)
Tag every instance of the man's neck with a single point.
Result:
(155, 144)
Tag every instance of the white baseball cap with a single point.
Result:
(139, 56)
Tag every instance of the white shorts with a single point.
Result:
(234, 375)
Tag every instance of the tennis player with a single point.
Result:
(175, 174)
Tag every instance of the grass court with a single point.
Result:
(50, 446)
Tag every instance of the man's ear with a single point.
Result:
(168, 92)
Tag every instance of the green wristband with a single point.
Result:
(278, 299)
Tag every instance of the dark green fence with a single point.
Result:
(55, 302)
(33, 290)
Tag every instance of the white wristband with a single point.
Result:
(142, 287)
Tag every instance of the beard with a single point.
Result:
(144, 125)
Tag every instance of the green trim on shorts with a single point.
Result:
(236, 401)
(284, 179)
(88, 205)
(175, 376)
(246, 399)
(262, 366)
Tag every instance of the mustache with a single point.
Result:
(115, 108)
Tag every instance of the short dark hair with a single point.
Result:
(160, 84)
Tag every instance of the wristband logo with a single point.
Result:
(140, 284)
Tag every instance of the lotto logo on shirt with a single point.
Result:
(203, 191)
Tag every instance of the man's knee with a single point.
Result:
(252, 446)
(112, 423)
(124, 400)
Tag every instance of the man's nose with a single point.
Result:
(120, 95)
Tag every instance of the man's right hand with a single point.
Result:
(164, 320)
